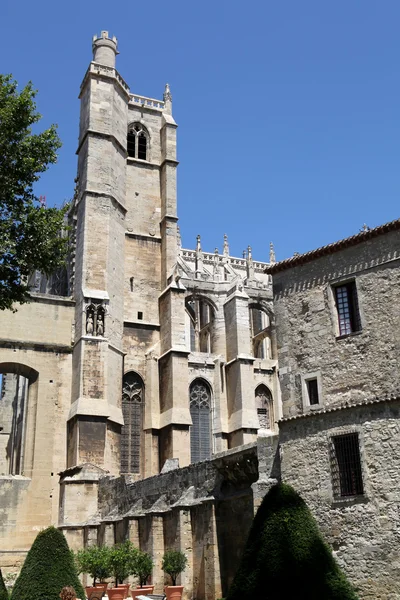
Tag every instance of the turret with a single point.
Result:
(104, 49)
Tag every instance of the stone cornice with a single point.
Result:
(107, 136)
(36, 346)
(170, 161)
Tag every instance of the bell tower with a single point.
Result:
(99, 212)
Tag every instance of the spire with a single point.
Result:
(226, 245)
(167, 97)
(198, 244)
(178, 237)
(250, 266)
(272, 257)
(199, 258)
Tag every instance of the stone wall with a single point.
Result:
(364, 532)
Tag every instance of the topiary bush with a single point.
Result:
(173, 563)
(48, 567)
(285, 556)
(93, 561)
(3, 589)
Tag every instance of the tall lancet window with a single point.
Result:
(132, 410)
(137, 143)
(200, 411)
(264, 406)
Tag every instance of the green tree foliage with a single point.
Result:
(94, 561)
(48, 567)
(121, 561)
(29, 233)
(142, 567)
(3, 589)
(285, 556)
(173, 563)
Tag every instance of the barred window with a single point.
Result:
(132, 410)
(347, 308)
(346, 466)
(200, 411)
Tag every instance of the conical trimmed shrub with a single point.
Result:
(48, 567)
(3, 589)
(285, 556)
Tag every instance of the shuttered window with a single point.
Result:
(132, 410)
(200, 411)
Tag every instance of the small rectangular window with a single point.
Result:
(140, 316)
(347, 308)
(312, 390)
(346, 466)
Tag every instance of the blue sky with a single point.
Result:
(288, 112)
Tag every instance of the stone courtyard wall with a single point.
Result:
(364, 532)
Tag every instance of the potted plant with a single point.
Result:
(142, 569)
(94, 562)
(174, 562)
(121, 560)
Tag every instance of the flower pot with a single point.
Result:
(117, 593)
(126, 587)
(94, 592)
(102, 586)
(142, 591)
(173, 592)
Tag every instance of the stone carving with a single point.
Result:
(264, 406)
(89, 324)
(167, 94)
(132, 388)
(100, 325)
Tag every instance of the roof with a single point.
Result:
(336, 407)
(353, 240)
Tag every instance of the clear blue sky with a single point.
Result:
(288, 111)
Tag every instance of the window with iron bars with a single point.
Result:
(347, 480)
(347, 308)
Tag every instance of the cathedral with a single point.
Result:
(155, 393)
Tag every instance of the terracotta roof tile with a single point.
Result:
(353, 240)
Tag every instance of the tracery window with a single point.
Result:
(132, 410)
(261, 343)
(137, 143)
(200, 411)
(201, 315)
(264, 407)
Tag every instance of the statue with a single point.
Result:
(100, 325)
(89, 324)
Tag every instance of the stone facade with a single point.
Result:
(141, 395)
(339, 436)
(140, 351)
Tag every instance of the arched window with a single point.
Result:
(264, 406)
(259, 323)
(201, 315)
(200, 411)
(132, 410)
(137, 144)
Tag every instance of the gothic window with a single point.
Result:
(201, 315)
(200, 411)
(132, 410)
(137, 143)
(264, 407)
(259, 323)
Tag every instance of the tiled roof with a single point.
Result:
(353, 240)
(337, 407)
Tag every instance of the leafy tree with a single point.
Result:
(29, 233)
(94, 561)
(48, 567)
(143, 567)
(3, 589)
(285, 556)
(121, 561)
(173, 563)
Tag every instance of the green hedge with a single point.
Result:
(3, 589)
(48, 567)
(285, 556)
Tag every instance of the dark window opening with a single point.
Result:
(312, 389)
(346, 466)
(142, 144)
(140, 316)
(347, 307)
(131, 144)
